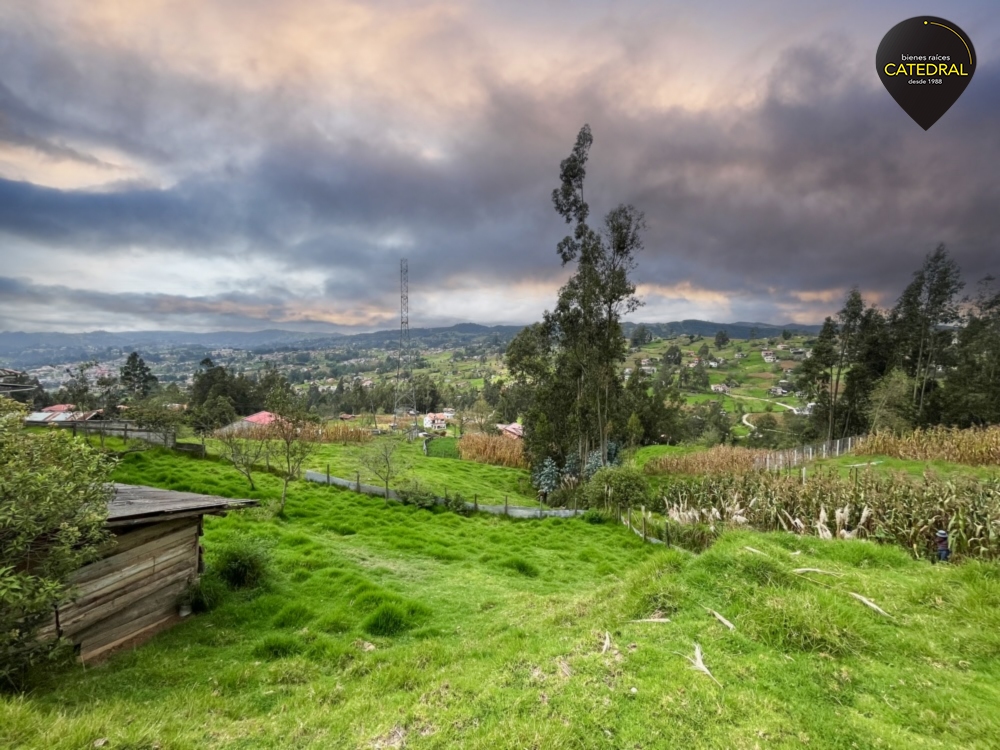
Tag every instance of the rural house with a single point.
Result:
(133, 592)
(435, 422)
(720, 388)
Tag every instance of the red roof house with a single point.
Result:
(60, 407)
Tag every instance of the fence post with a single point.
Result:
(643, 523)
(357, 477)
(475, 503)
(505, 511)
(328, 473)
(803, 475)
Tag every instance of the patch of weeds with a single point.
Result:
(278, 646)
(388, 620)
(334, 623)
(244, 561)
(293, 615)
(206, 594)
(521, 566)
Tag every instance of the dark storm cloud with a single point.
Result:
(816, 183)
(261, 307)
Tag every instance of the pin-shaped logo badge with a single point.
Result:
(925, 63)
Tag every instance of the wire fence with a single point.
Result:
(114, 428)
(792, 457)
(514, 511)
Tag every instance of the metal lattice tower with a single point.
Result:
(406, 397)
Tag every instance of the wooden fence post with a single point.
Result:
(644, 523)
(505, 511)
(475, 503)
(357, 477)
(328, 473)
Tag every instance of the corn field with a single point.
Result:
(719, 459)
(492, 449)
(870, 505)
(974, 447)
(338, 432)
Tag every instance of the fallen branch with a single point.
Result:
(652, 619)
(751, 549)
(869, 603)
(721, 619)
(800, 571)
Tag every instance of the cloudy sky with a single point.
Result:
(248, 164)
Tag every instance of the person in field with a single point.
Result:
(943, 552)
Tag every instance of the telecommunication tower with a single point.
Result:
(405, 397)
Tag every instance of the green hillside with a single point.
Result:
(508, 634)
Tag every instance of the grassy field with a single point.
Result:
(436, 472)
(846, 464)
(523, 634)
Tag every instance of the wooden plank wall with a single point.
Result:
(132, 591)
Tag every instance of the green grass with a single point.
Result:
(846, 464)
(436, 472)
(431, 630)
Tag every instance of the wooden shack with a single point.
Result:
(132, 593)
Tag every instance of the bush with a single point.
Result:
(619, 485)
(593, 516)
(410, 493)
(388, 620)
(53, 504)
(243, 562)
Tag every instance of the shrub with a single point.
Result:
(243, 562)
(617, 485)
(593, 516)
(410, 493)
(53, 504)
(520, 565)
(388, 620)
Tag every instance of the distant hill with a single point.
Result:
(19, 349)
(739, 330)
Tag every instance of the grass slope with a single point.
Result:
(497, 640)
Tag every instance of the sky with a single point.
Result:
(249, 164)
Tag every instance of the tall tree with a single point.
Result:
(849, 317)
(927, 308)
(135, 377)
(587, 318)
(721, 339)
